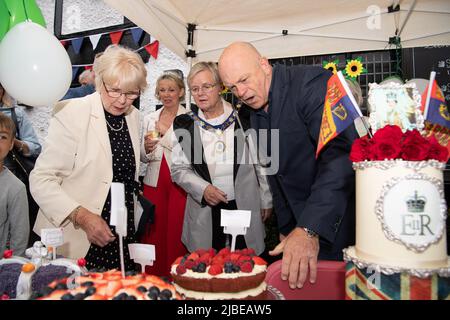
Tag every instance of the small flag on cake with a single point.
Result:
(433, 104)
(339, 112)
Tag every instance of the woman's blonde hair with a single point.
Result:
(118, 64)
(205, 66)
(172, 76)
(6, 99)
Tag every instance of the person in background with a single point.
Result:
(92, 142)
(169, 199)
(87, 81)
(208, 163)
(26, 144)
(14, 223)
(313, 197)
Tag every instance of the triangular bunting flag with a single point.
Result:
(152, 49)
(63, 42)
(74, 72)
(76, 44)
(94, 40)
(116, 36)
(137, 33)
(88, 67)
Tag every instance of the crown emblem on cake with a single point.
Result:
(391, 96)
(416, 203)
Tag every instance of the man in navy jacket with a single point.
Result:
(313, 198)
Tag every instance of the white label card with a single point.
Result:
(53, 237)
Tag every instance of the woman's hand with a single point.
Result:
(97, 230)
(149, 144)
(213, 196)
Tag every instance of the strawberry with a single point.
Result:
(218, 260)
(181, 269)
(212, 252)
(259, 261)
(251, 251)
(235, 257)
(189, 264)
(193, 256)
(244, 258)
(215, 269)
(7, 254)
(246, 267)
(4, 297)
(177, 261)
(224, 251)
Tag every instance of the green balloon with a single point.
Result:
(22, 10)
(34, 12)
(16, 11)
(4, 19)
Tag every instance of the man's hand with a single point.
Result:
(97, 230)
(213, 196)
(265, 214)
(299, 254)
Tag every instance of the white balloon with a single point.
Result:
(34, 67)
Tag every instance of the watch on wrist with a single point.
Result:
(310, 233)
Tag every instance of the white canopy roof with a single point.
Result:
(312, 27)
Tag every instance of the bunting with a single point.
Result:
(153, 48)
(137, 34)
(76, 44)
(116, 36)
(94, 40)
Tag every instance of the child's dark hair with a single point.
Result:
(7, 123)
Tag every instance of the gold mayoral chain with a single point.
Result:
(219, 129)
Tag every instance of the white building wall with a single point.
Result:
(87, 20)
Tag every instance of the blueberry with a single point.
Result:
(131, 273)
(141, 289)
(153, 293)
(165, 279)
(90, 291)
(122, 296)
(165, 295)
(201, 267)
(87, 284)
(67, 296)
(236, 268)
(79, 296)
(228, 264)
(61, 286)
(130, 298)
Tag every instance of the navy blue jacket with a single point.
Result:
(309, 192)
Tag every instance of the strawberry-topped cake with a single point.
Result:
(207, 275)
(110, 285)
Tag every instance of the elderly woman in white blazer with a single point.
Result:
(92, 142)
(206, 162)
(168, 198)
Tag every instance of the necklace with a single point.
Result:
(219, 145)
(112, 128)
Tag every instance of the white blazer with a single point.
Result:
(163, 147)
(75, 168)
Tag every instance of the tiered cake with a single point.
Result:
(400, 250)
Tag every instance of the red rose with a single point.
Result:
(360, 150)
(384, 149)
(415, 147)
(388, 133)
(437, 151)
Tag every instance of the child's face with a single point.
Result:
(6, 143)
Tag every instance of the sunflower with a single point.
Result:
(332, 65)
(354, 68)
(224, 90)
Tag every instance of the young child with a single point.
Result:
(14, 221)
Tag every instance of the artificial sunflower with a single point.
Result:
(224, 90)
(331, 65)
(354, 68)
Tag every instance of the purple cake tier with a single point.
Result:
(47, 274)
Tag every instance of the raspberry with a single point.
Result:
(181, 269)
(212, 252)
(201, 252)
(246, 267)
(215, 269)
(235, 257)
(7, 254)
